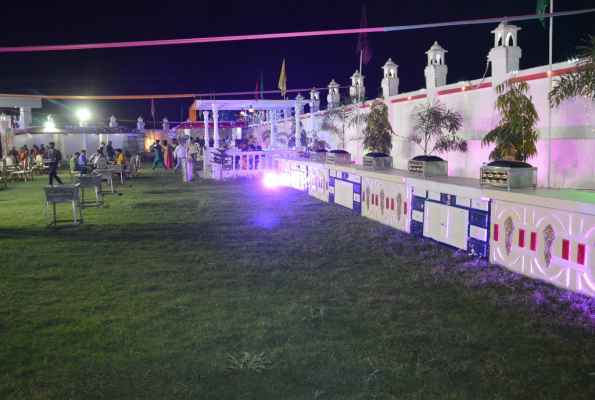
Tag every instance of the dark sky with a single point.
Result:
(236, 66)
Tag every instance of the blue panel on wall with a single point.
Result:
(356, 188)
(345, 176)
(478, 247)
(478, 218)
(418, 203)
(357, 207)
(331, 182)
(417, 228)
(331, 198)
(448, 199)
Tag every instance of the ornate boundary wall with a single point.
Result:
(546, 234)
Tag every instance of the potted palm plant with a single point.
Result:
(378, 137)
(515, 138)
(435, 131)
(337, 120)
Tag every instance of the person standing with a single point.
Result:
(180, 155)
(168, 154)
(109, 150)
(158, 155)
(121, 160)
(54, 157)
(192, 150)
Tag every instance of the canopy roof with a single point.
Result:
(91, 130)
(201, 125)
(207, 105)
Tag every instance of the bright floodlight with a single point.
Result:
(271, 180)
(83, 114)
(49, 125)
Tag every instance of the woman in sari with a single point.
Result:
(23, 154)
(168, 156)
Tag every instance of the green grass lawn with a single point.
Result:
(161, 285)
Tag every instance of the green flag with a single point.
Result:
(542, 9)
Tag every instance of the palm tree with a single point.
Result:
(378, 131)
(516, 135)
(338, 120)
(433, 124)
(580, 82)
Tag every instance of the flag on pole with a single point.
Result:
(256, 91)
(363, 42)
(261, 85)
(153, 107)
(542, 9)
(283, 80)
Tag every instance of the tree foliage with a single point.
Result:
(580, 82)
(516, 135)
(435, 128)
(378, 132)
(338, 120)
(303, 138)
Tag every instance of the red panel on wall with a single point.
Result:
(533, 241)
(405, 209)
(377, 199)
(363, 197)
(522, 238)
(566, 249)
(387, 203)
(580, 254)
(496, 232)
(392, 204)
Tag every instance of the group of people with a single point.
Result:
(24, 152)
(80, 162)
(168, 154)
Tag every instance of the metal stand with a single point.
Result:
(90, 182)
(107, 175)
(120, 169)
(63, 194)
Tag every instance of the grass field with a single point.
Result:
(161, 285)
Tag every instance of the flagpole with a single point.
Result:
(549, 108)
(359, 91)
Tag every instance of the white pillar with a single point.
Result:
(25, 117)
(390, 82)
(314, 101)
(436, 69)
(206, 116)
(357, 88)
(273, 114)
(298, 113)
(505, 54)
(216, 126)
(333, 98)
(4, 126)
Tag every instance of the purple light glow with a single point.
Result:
(270, 180)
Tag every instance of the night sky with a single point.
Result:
(236, 66)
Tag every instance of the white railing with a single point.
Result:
(241, 163)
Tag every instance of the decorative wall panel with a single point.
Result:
(386, 202)
(318, 180)
(559, 249)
